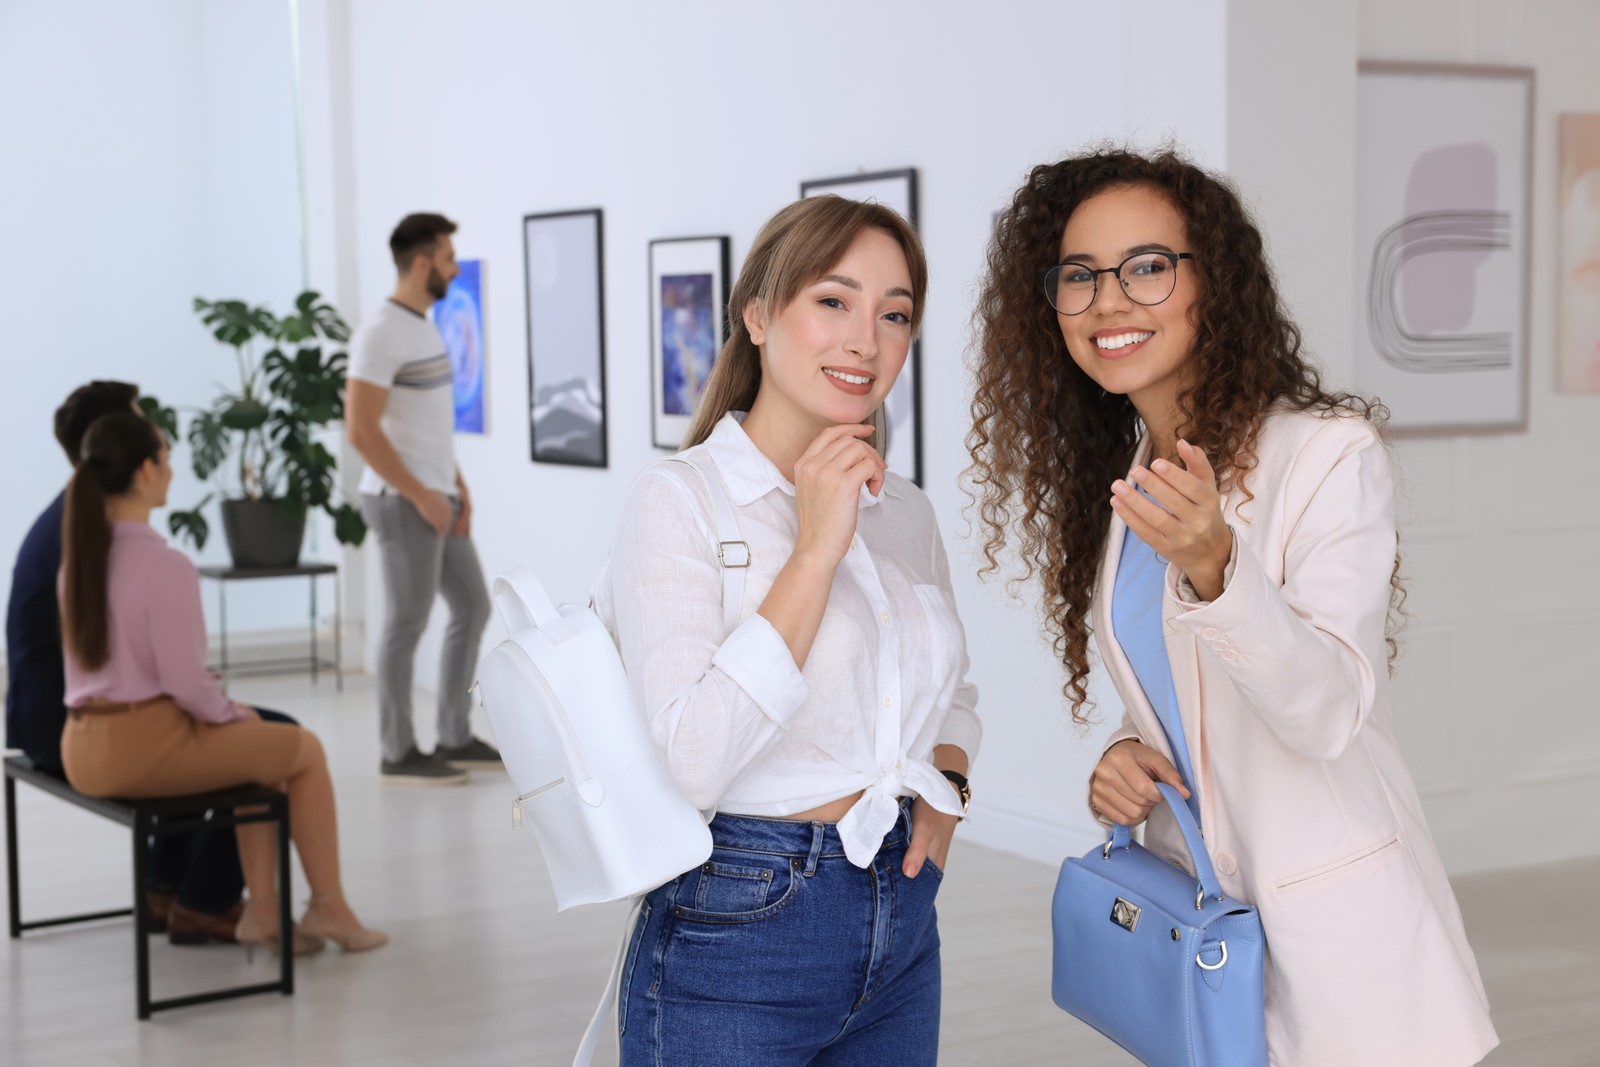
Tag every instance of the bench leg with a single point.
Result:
(141, 936)
(285, 887)
(13, 876)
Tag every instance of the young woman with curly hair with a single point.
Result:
(1150, 438)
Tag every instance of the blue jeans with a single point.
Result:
(779, 951)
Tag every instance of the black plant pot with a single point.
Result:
(262, 533)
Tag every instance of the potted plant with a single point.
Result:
(259, 441)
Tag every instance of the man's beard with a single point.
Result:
(437, 286)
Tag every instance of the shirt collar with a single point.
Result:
(750, 475)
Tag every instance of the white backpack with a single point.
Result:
(610, 821)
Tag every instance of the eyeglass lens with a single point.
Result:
(1148, 278)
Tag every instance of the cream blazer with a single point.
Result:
(1307, 807)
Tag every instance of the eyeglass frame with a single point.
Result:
(1170, 257)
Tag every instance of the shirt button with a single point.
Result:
(888, 701)
(883, 616)
(1229, 654)
(1226, 863)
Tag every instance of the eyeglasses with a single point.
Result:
(1147, 277)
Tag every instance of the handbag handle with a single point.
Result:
(1122, 837)
(524, 603)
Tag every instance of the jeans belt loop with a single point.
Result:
(819, 834)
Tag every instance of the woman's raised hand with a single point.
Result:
(827, 484)
(1184, 523)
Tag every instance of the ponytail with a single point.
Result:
(114, 448)
(85, 553)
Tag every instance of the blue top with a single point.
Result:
(36, 684)
(1136, 619)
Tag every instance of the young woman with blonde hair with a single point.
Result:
(832, 728)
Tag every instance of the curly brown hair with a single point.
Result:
(1047, 442)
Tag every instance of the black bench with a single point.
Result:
(147, 818)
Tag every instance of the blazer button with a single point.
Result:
(1211, 633)
(1226, 863)
(1229, 654)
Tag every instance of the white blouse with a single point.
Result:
(744, 730)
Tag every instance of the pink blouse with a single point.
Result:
(157, 631)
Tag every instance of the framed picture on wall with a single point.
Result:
(1444, 156)
(565, 276)
(1578, 287)
(688, 323)
(459, 317)
(895, 189)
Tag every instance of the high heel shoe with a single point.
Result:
(359, 939)
(251, 932)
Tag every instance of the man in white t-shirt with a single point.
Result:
(400, 414)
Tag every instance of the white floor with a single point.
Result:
(483, 972)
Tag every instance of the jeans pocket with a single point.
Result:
(628, 965)
(739, 889)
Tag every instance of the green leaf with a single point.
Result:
(295, 328)
(233, 322)
(321, 317)
(164, 417)
(348, 525)
(208, 443)
(191, 524)
(315, 389)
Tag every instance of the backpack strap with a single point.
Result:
(733, 552)
(608, 1000)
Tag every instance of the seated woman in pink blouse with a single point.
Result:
(145, 718)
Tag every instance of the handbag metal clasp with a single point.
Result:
(1125, 914)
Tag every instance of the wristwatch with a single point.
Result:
(959, 780)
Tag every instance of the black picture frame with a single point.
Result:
(895, 189)
(693, 274)
(567, 421)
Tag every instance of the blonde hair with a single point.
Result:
(797, 246)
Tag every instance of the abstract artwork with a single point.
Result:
(688, 324)
(895, 189)
(566, 337)
(1443, 157)
(1578, 291)
(459, 317)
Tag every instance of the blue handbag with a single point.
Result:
(1161, 962)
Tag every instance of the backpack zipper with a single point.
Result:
(531, 670)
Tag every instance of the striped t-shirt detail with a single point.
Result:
(435, 373)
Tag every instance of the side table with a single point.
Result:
(280, 665)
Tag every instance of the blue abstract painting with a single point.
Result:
(688, 340)
(459, 317)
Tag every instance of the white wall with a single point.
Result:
(1493, 699)
(149, 158)
(1499, 712)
